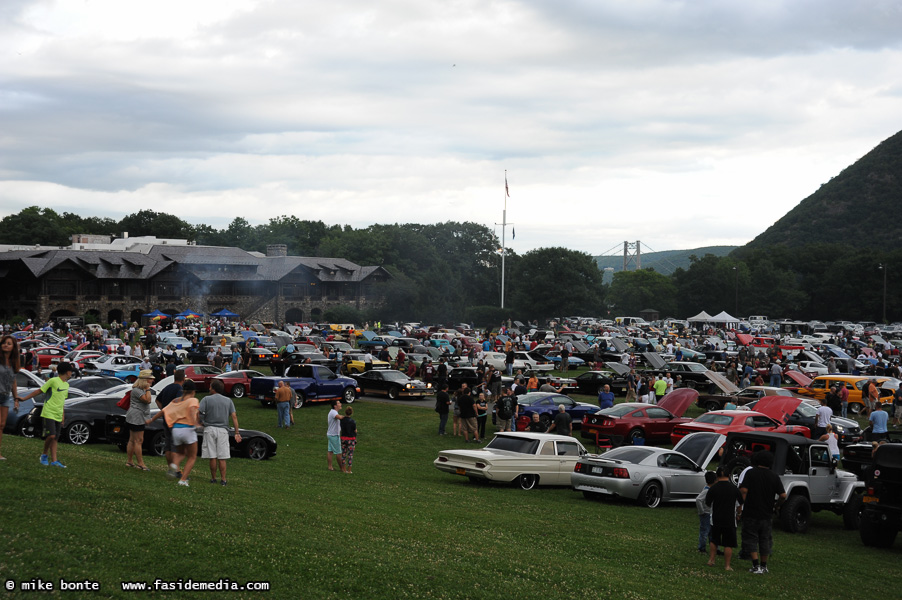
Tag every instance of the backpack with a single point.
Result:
(126, 402)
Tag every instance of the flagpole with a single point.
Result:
(503, 232)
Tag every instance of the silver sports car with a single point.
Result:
(649, 475)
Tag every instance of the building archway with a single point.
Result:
(61, 313)
(135, 315)
(316, 315)
(114, 315)
(294, 315)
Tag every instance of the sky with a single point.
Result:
(677, 123)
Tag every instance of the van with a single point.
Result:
(631, 321)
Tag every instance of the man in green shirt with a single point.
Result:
(660, 389)
(52, 413)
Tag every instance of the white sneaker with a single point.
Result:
(173, 469)
(183, 482)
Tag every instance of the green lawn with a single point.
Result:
(396, 528)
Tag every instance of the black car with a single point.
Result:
(94, 384)
(460, 375)
(254, 444)
(592, 382)
(392, 383)
(858, 458)
(84, 420)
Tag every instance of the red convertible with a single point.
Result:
(629, 421)
(770, 414)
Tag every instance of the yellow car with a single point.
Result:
(354, 363)
(821, 385)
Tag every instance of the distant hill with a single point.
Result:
(665, 262)
(858, 206)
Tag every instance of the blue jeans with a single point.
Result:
(775, 381)
(442, 421)
(284, 414)
(704, 529)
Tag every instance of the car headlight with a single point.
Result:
(839, 429)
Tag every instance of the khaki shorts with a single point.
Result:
(469, 425)
(898, 413)
(216, 443)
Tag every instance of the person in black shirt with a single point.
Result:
(563, 423)
(536, 425)
(442, 406)
(762, 492)
(167, 395)
(468, 416)
(348, 429)
(722, 497)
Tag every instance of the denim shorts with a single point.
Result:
(7, 400)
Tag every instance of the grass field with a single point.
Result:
(395, 528)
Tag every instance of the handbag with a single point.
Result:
(126, 402)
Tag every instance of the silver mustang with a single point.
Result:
(529, 459)
(649, 475)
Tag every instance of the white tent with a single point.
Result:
(723, 317)
(701, 317)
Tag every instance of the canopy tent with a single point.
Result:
(224, 313)
(701, 317)
(156, 313)
(189, 314)
(723, 317)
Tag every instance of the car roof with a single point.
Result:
(537, 436)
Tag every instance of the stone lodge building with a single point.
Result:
(128, 277)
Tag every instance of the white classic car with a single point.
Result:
(527, 459)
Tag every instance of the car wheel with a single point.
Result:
(26, 427)
(257, 449)
(158, 443)
(527, 482)
(875, 532)
(635, 435)
(238, 391)
(78, 433)
(795, 514)
(650, 496)
(348, 396)
(131, 379)
(855, 408)
(393, 392)
(851, 512)
(735, 468)
(712, 405)
(300, 399)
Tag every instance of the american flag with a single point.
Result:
(506, 191)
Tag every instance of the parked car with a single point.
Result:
(237, 383)
(591, 382)
(772, 414)
(200, 375)
(261, 356)
(711, 402)
(527, 459)
(848, 430)
(632, 422)
(545, 404)
(17, 421)
(392, 383)
(882, 514)
(647, 474)
(858, 458)
(108, 361)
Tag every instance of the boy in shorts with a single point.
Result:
(52, 413)
(724, 497)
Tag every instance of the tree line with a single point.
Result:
(451, 271)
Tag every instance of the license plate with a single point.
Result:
(261, 397)
(461, 471)
(598, 470)
(868, 499)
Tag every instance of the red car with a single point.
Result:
(770, 414)
(237, 383)
(47, 354)
(629, 421)
(200, 375)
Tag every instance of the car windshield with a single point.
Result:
(626, 454)
(514, 444)
(806, 410)
(617, 411)
(715, 419)
(394, 376)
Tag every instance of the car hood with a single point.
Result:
(700, 447)
(798, 377)
(654, 359)
(744, 338)
(619, 368)
(619, 345)
(678, 401)
(720, 380)
(844, 422)
(778, 408)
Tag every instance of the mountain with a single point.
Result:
(665, 262)
(851, 208)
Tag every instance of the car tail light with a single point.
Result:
(620, 473)
(585, 419)
(442, 459)
(480, 465)
(578, 468)
(872, 491)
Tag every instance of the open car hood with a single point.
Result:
(778, 408)
(720, 380)
(700, 447)
(654, 359)
(619, 345)
(678, 401)
(619, 368)
(798, 377)
(744, 338)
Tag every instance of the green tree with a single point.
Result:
(633, 291)
(549, 282)
(161, 225)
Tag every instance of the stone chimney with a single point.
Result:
(276, 250)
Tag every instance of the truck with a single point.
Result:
(311, 383)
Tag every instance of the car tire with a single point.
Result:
(636, 434)
(855, 408)
(527, 481)
(158, 443)
(795, 515)
(650, 496)
(25, 427)
(851, 512)
(78, 433)
(300, 399)
(238, 390)
(393, 392)
(735, 468)
(257, 449)
(348, 396)
(875, 532)
(712, 405)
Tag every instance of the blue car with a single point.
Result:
(545, 404)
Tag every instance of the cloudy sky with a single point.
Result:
(680, 124)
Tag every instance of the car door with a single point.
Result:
(659, 423)
(822, 479)
(568, 454)
(681, 476)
